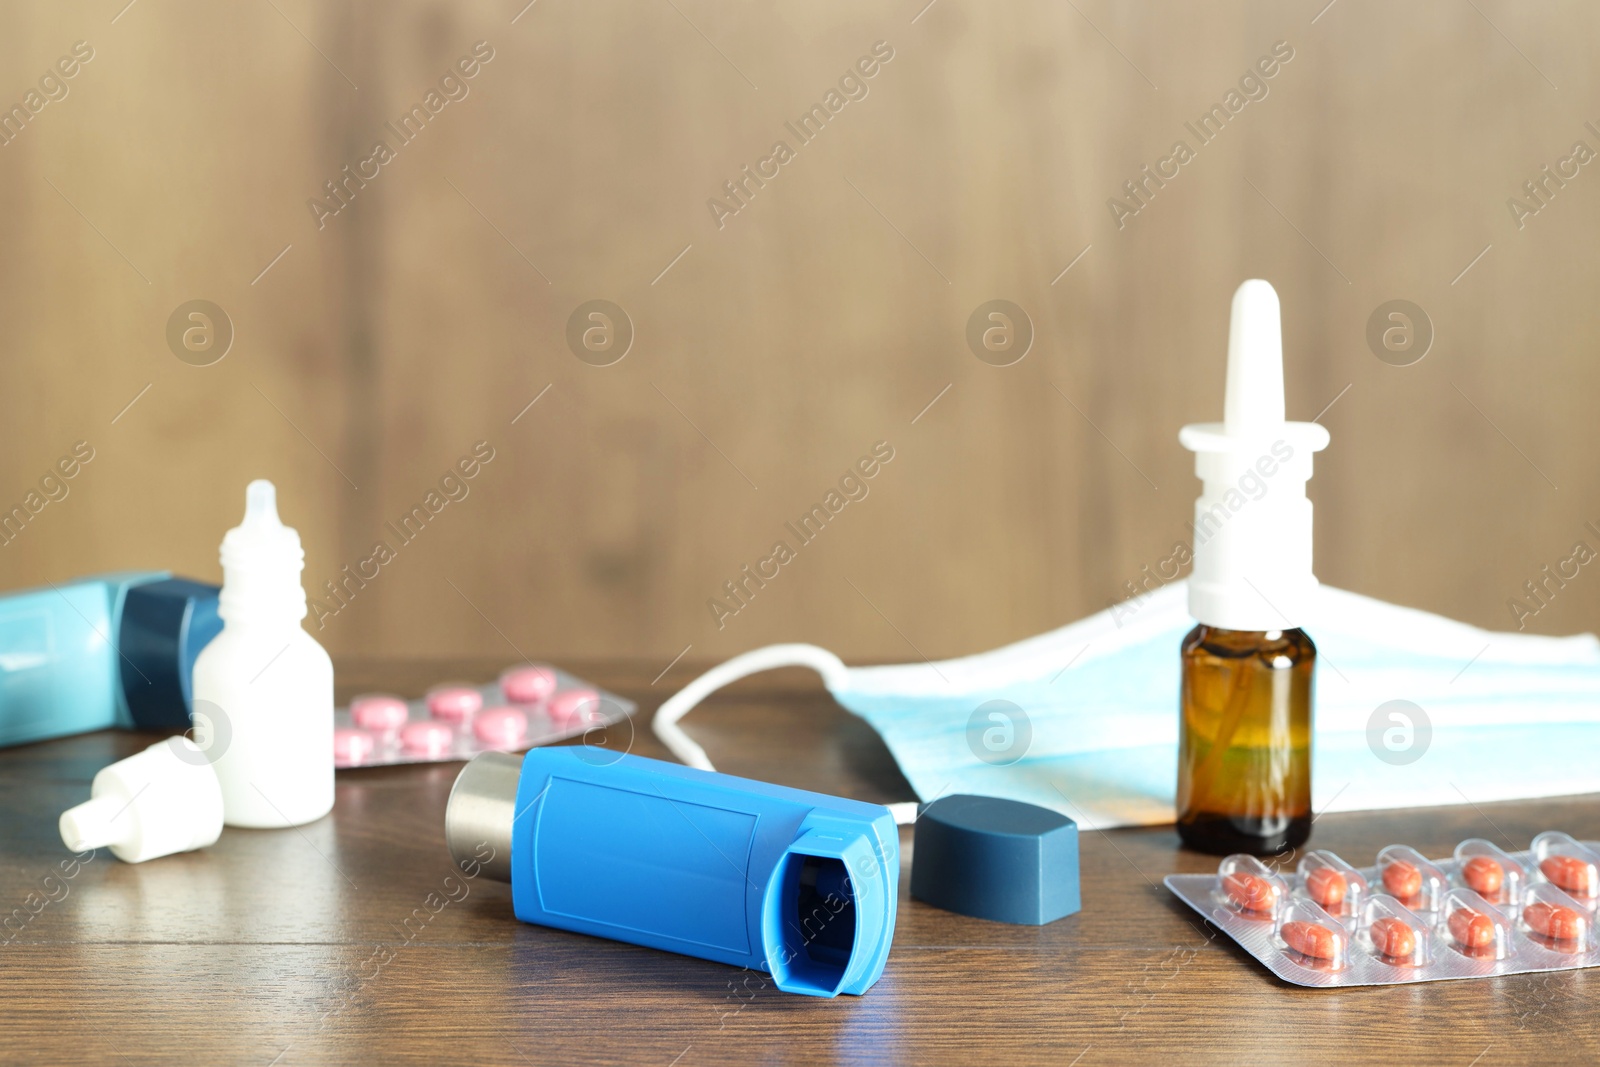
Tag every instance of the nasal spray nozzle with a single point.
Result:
(1252, 521)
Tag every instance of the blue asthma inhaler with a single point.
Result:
(801, 885)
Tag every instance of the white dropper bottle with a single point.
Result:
(265, 683)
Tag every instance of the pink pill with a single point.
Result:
(500, 727)
(528, 685)
(454, 703)
(427, 738)
(575, 703)
(351, 747)
(379, 712)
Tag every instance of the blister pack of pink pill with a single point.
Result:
(531, 704)
(1482, 912)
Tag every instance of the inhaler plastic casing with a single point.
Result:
(798, 884)
(115, 650)
(264, 683)
(1252, 521)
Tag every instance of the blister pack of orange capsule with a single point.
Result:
(1406, 918)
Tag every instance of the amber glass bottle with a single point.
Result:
(1244, 745)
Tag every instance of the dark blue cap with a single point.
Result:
(164, 626)
(996, 859)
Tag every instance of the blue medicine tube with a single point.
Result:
(801, 885)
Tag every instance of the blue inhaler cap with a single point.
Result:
(164, 626)
(997, 859)
(799, 884)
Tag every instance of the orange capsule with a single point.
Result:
(1249, 891)
(1393, 938)
(1483, 875)
(1402, 879)
(1471, 929)
(1570, 873)
(1313, 939)
(1327, 886)
(1552, 921)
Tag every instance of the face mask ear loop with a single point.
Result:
(679, 704)
(825, 663)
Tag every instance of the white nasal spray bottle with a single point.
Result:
(265, 684)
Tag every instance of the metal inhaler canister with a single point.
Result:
(801, 885)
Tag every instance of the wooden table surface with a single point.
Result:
(354, 939)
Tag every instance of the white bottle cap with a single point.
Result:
(1252, 521)
(261, 562)
(163, 800)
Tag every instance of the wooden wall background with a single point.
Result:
(822, 318)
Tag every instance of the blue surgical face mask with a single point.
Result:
(1411, 710)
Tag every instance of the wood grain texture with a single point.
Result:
(823, 317)
(320, 945)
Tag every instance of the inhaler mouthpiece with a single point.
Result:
(261, 561)
(163, 800)
(1252, 521)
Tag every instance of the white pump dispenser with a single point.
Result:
(1252, 521)
(265, 683)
